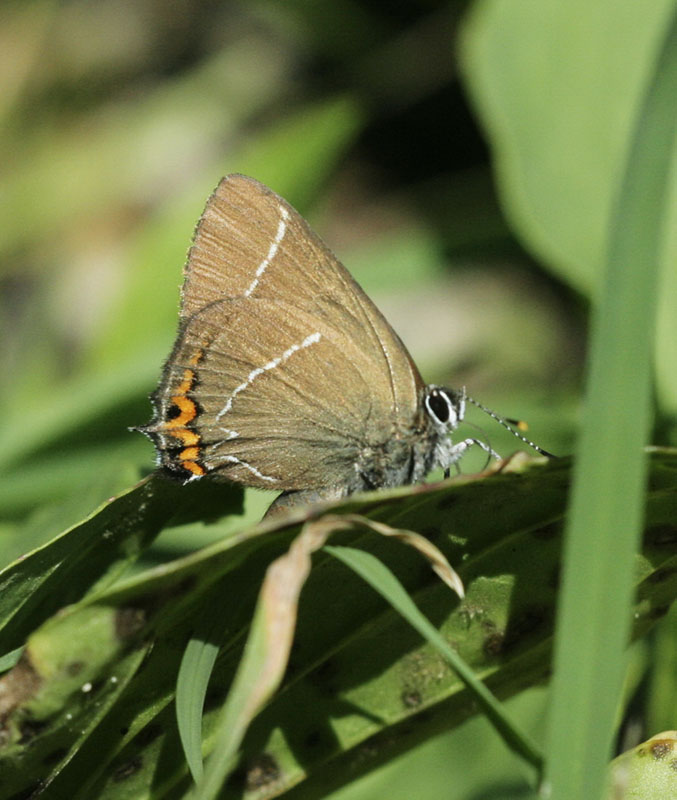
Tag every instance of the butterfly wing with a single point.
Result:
(284, 371)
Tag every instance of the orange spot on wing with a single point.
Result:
(190, 454)
(191, 466)
(186, 436)
(189, 437)
(188, 413)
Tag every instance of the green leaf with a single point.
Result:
(557, 87)
(267, 649)
(93, 554)
(384, 582)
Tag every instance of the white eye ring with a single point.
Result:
(442, 410)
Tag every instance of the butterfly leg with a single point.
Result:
(459, 450)
(491, 452)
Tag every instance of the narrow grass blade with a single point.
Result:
(606, 508)
(191, 689)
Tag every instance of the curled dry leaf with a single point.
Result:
(267, 650)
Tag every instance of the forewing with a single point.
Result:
(250, 243)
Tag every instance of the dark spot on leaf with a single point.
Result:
(366, 752)
(657, 613)
(75, 668)
(30, 728)
(411, 698)
(324, 677)
(127, 769)
(493, 644)
(55, 756)
(431, 532)
(527, 622)
(128, 622)
(315, 740)
(673, 764)
(423, 717)
(661, 535)
(149, 734)
(661, 748)
(549, 531)
(448, 501)
(262, 771)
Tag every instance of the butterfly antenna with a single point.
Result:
(507, 423)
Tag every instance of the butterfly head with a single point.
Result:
(446, 410)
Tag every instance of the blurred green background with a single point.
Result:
(459, 157)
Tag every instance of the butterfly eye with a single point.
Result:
(438, 406)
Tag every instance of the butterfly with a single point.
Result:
(284, 374)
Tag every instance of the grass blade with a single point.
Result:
(606, 508)
(191, 689)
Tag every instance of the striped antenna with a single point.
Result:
(506, 423)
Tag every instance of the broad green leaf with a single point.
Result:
(383, 581)
(557, 87)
